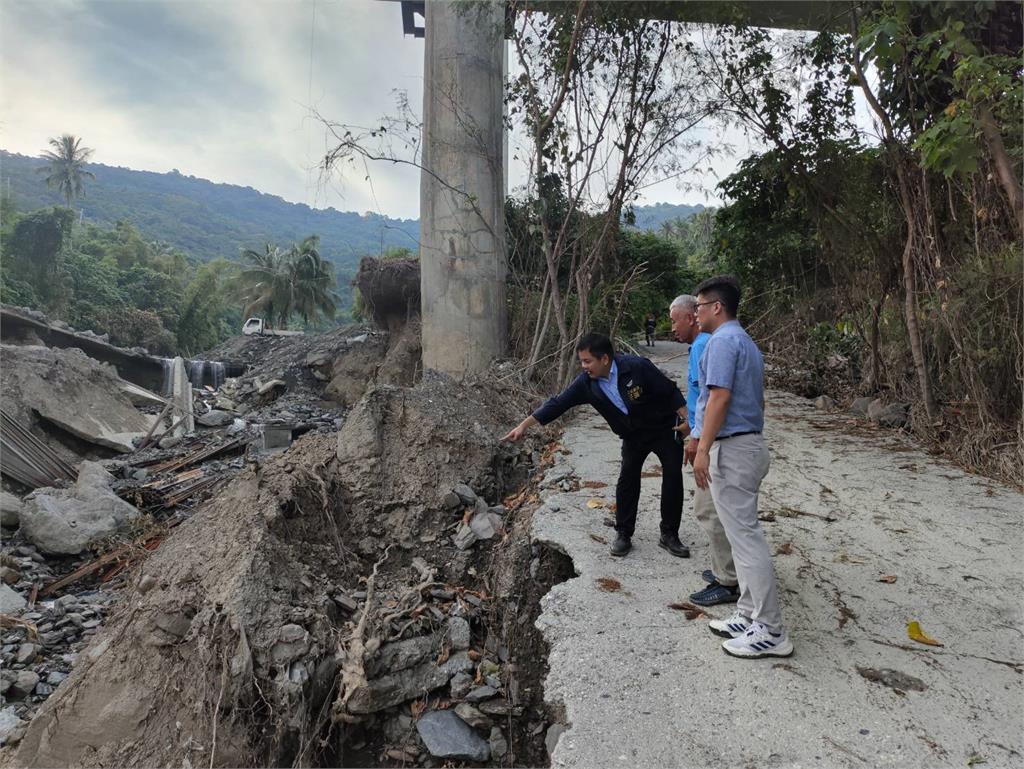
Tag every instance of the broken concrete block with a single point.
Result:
(10, 510)
(10, 601)
(65, 521)
(139, 396)
(448, 736)
(275, 436)
(274, 387)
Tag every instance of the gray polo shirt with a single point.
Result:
(732, 361)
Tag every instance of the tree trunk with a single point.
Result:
(875, 343)
(1004, 166)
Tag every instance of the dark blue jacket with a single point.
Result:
(652, 398)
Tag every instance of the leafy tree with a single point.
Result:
(279, 284)
(34, 250)
(312, 281)
(66, 168)
(207, 314)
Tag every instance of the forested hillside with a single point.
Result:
(205, 219)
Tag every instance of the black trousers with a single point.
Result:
(627, 491)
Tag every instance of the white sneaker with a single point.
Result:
(732, 626)
(758, 642)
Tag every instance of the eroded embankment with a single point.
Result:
(340, 604)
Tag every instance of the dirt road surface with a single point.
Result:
(845, 504)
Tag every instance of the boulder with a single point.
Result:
(10, 510)
(446, 735)
(24, 683)
(10, 601)
(874, 409)
(65, 521)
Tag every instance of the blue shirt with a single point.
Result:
(693, 376)
(610, 387)
(732, 361)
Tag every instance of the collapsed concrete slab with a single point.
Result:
(65, 521)
(70, 390)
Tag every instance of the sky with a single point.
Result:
(227, 91)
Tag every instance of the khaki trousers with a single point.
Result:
(738, 465)
(722, 565)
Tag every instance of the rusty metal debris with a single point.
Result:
(27, 460)
(201, 455)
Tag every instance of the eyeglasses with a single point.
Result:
(698, 305)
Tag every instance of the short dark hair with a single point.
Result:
(724, 289)
(598, 344)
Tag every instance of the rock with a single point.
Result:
(169, 441)
(460, 685)
(9, 575)
(448, 736)
(402, 655)
(498, 743)
(215, 418)
(472, 716)
(465, 537)
(146, 583)
(466, 494)
(451, 501)
(824, 403)
(895, 415)
(273, 387)
(224, 404)
(458, 633)
(860, 406)
(26, 653)
(395, 688)
(292, 643)
(496, 707)
(65, 521)
(481, 693)
(551, 738)
(24, 684)
(9, 724)
(10, 510)
(483, 525)
(56, 678)
(874, 409)
(10, 601)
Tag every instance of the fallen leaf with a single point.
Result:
(596, 538)
(612, 507)
(651, 474)
(595, 502)
(844, 558)
(474, 655)
(887, 578)
(593, 485)
(976, 759)
(609, 585)
(786, 548)
(690, 611)
(610, 522)
(915, 633)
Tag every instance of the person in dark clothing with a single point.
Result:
(649, 325)
(642, 406)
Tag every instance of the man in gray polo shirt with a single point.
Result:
(731, 460)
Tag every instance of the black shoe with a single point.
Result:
(671, 543)
(621, 545)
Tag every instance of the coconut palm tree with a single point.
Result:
(312, 281)
(66, 167)
(265, 285)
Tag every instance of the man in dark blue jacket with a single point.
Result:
(641, 405)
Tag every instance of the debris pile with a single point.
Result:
(331, 604)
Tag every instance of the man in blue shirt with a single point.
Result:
(642, 406)
(723, 585)
(731, 461)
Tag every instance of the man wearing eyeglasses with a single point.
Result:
(731, 461)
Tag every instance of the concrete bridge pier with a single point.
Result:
(462, 190)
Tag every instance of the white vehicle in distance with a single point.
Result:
(259, 326)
